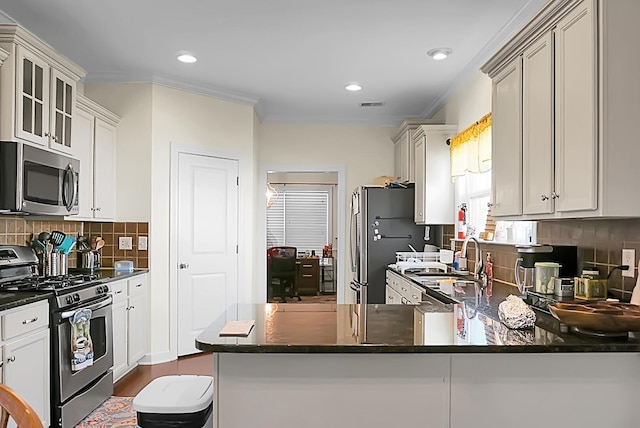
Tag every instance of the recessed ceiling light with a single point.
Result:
(439, 53)
(187, 58)
(353, 87)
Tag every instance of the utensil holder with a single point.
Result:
(53, 264)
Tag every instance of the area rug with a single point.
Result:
(115, 412)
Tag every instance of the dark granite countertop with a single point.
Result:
(463, 326)
(9, 299)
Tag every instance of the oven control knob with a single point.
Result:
(105, 288)
(99, 289)
(76, 297)
(68, 299)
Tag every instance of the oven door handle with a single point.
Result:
(69, 177)
(68, 314)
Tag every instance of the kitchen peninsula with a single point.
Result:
(444, 365)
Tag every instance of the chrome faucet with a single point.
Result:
(478, 267)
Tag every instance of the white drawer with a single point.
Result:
(25, 319)
(118, 290)
(137, 285)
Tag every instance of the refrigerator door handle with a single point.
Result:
(352, 232)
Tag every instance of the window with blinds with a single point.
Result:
(300, 217)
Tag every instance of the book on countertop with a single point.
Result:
(237, 328)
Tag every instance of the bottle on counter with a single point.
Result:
(488, 267)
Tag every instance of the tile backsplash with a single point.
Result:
(599, 242)
(111, 232)
(17, 230)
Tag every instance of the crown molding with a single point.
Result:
(198, 88)
(14, 33)
(331, 120)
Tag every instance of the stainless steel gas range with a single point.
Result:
(74, 393)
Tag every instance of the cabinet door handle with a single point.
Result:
(184, 266)
(489, 204)
(97, 208)
(544, 197)
(307, 276)
(403, 289)
(34, 319)
(415, 297)
(554, 195)
(306, 266)
(119, 291)
(11, 359)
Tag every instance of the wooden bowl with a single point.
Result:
(606, 317)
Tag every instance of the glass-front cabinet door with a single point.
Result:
(32, 113)
(63, 99)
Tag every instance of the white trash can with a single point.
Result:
(184, 401)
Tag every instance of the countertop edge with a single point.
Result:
(416, 349)
(25, 299)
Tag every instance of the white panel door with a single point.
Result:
(506, 158)
(207, 245)
(537, 124)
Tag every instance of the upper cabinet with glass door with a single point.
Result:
(565, 98)
(38, 93)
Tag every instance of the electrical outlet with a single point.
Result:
(125, 243)
(628, 258)
(142, 243)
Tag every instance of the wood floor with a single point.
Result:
(138, 378)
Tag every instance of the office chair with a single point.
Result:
(19, 410)
(282, 272)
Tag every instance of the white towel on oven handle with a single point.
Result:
(81, 344)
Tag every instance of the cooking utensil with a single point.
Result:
(67, 245)
(99, 244)
(44, 237)
(57, 237)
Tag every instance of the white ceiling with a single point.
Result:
(289, 58)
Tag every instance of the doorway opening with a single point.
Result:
(302, 228)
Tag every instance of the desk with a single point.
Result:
(307, 276)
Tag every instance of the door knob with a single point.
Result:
(184, 266)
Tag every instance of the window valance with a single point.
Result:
(471, 148)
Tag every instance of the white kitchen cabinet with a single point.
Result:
(404, 149)
(506, 139)
(119, 316)
(537, 127)
(576, 111)
(129, 323)
(94, 138)
(579, 103)
(137, 318)
(26, 355)
(401, 290)
(434, 192)
(392, 296)
(37, 91)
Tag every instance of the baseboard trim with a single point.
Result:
(157, 358)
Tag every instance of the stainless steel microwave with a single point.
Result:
(37, 181)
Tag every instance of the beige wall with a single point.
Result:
(132, 102)
(469, 104)
(362, 152)
(157, 116)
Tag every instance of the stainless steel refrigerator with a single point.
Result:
(382, 222)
